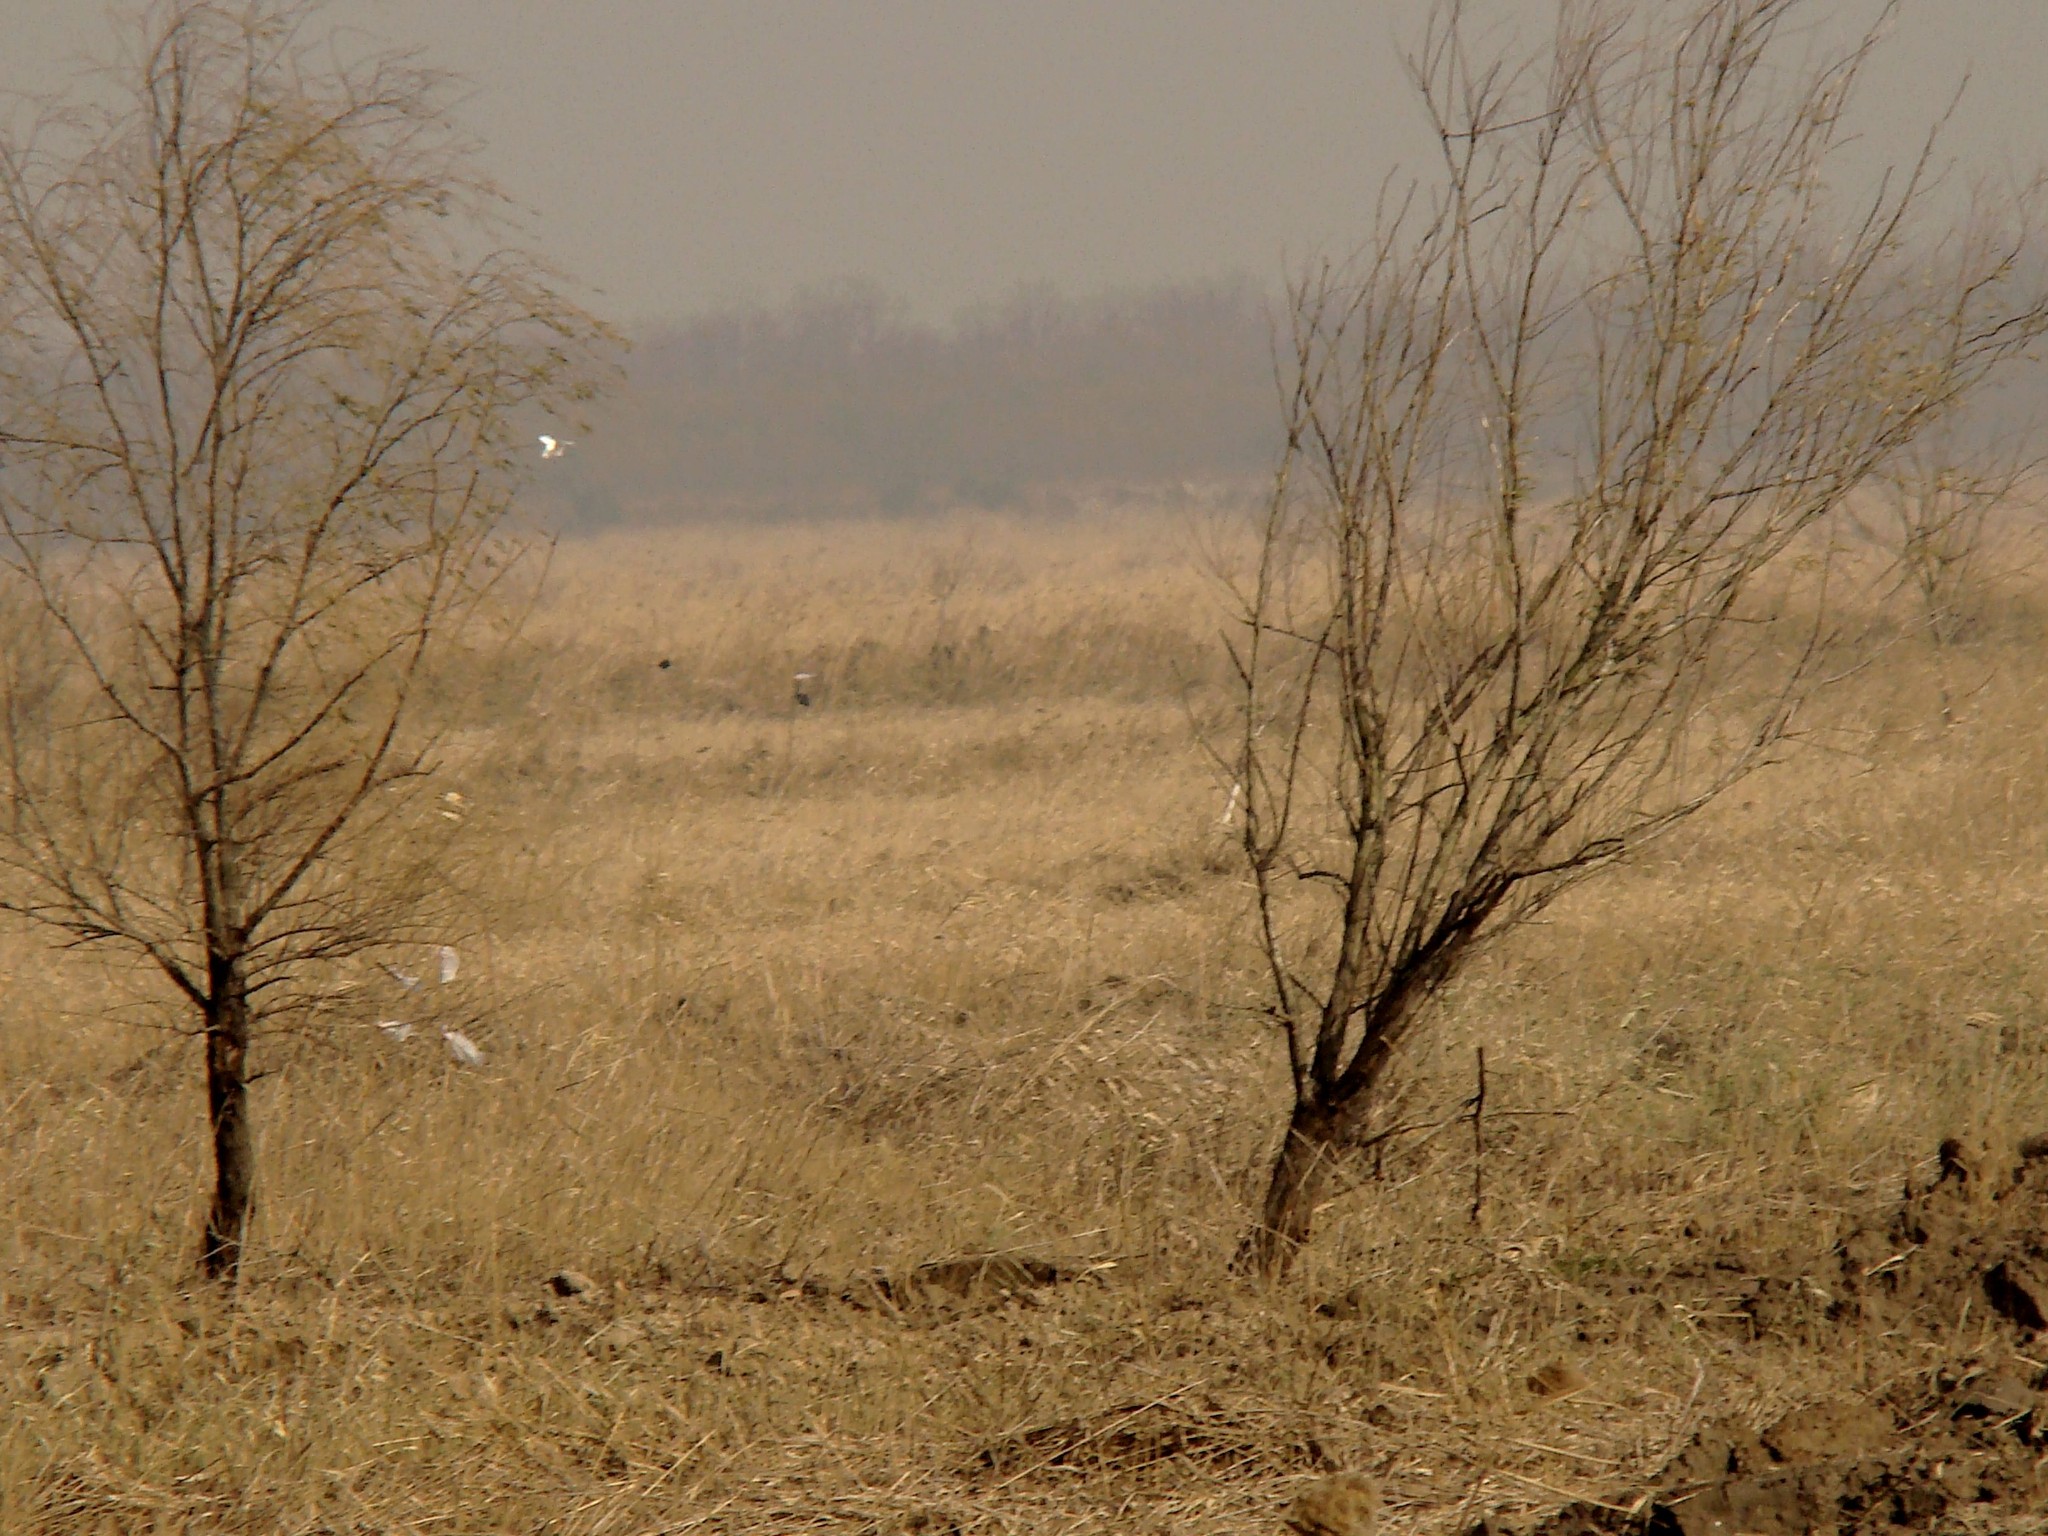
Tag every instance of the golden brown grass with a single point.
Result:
(952, 962)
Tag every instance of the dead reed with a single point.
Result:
(780, 1001)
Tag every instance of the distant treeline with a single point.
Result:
(842, 402)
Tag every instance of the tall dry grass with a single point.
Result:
(776, 998)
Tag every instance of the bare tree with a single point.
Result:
(1546, 436)
(256, 445)
(1931, 511)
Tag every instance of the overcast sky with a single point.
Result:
(676, 154)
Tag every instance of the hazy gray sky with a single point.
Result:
(680, 153)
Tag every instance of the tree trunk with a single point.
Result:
(1315, 1138)
(227, 1103)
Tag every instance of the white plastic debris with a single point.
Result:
(1230, 810)
(397, 1029)
(410, 983)
(450, 964)
(462, 1048)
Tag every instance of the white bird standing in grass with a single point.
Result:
(449, 964)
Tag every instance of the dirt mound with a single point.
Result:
(973, 1282)
(1344, 1505)
(1842, 1467)
(1001, 1274)
(1137, 1436)
(1972, 1243)
(1975, 1237)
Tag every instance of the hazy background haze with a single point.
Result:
(883, 253)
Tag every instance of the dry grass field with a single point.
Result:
(784, 1007)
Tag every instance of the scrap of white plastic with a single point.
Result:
(1230, 810)
(449, 964)
(397, 1029)
(405, 981)
(462, 1048)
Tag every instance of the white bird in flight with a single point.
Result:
(462, 1048)
(554, 447)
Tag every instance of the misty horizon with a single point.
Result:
(844, 401)
(844, 219)
(700, 156)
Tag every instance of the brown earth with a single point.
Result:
(1962, 1450)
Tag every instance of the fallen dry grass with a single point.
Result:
(781, 1002)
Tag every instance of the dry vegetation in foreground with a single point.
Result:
(780, 1003)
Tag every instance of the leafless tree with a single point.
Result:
(1932, 510)
(1547, 434)
(258, 388)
